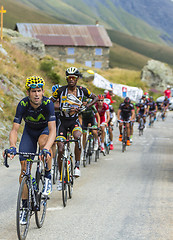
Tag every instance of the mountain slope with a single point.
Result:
(107, 12)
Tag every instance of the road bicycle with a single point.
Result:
(89, 147)
(124, 134)
(67, 176)
(31, 189)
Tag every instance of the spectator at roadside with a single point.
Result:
(167, 92)
(110, 95)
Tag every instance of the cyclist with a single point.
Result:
(111, 121)
(103, 110)
(141, 110)
(152, 107)
(38, 114)
(165, 105)
(69, 119)
(89, 118)
(126, 112)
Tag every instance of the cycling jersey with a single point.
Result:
(35, 118)
(61, 94)
(165, 103)
(89, 112)
(102, 111)
(141, 108)
(167, 93)
(152, 106)
(126, 111)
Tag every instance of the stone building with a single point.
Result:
(85, 44)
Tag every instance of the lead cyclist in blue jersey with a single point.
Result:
(39, 116)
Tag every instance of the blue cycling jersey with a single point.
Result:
(35, 118)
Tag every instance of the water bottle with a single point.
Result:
(34, 184)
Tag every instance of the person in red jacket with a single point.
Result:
(109, 95)
(167, 92)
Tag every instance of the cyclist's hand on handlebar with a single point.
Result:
(45, 153)
(11, 152)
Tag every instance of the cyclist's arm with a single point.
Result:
(98, 118)
(52, 135)
(94, 100)
(133, 115)
(107, 116)
(14, 134)
(118, 114)
(137, 110)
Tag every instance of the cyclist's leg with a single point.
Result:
(77, 133)
(102, 126)
(28, 143)
(42, 140)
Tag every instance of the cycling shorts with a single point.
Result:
(125, 118)
(29, 140)
(86, 121)
(66, 125)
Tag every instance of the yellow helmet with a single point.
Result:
(33, 82)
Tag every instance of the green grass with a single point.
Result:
(149, 50)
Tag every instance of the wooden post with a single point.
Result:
(2, 11)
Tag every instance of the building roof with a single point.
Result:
(66, 34)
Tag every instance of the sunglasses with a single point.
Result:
(34, 85)
(72, 77)
(100, 100)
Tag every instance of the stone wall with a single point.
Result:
(81, 54)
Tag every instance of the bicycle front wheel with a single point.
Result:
(64, 182)
(55, 168)
(71, 178)
(40, 211)
(24, 194)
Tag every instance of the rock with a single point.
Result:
(32, 46)
(11, 33)
(157, 75)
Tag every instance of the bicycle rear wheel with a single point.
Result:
(64, 182)
(40, 212)
(70, 185)
(55, 168)
(24, 190)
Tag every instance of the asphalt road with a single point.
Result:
(124, 196)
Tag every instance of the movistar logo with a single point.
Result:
(46, 102)
(37, 119)
(24, 103)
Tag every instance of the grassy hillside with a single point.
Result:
(148, 49)
(19, 12)
(124, 58)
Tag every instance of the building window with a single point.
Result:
(88, 63)
(70, 51)
(70, 60)
(98, 64)
(98, 51)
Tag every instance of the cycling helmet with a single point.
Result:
(106, 91)
(54, 87)
(127, 100)
(33, 82)
(143, 96)
(101, 97)
(151, 98)
(141, 101)
(145, 93)
(73, 71)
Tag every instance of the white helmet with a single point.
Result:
(168, 86)
(105, 91)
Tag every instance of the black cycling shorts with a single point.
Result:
(66, 125)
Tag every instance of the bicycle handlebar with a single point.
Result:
(65, 141)
(26, 155)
